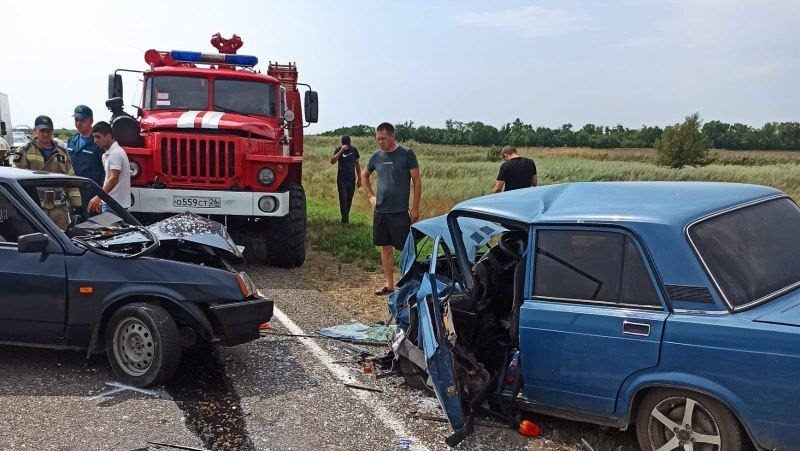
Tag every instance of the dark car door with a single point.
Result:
(592, 319)
(32, 285)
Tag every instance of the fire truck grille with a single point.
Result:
(198, 159)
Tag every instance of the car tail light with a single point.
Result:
(246, 285)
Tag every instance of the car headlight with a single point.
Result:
(135, 169)
(266, 176)
(267, 204)
(246, 285)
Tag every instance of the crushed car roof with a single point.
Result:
(669, 203)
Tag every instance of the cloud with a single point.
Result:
(528, 22)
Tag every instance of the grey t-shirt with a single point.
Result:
(394, 178)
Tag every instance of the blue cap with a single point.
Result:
(83, 112)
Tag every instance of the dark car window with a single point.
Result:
(603, 267)
(13, 223)
(751, 252)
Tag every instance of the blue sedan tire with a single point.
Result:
(673, 419)
(143, 344)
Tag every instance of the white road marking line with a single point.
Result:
(389, 419)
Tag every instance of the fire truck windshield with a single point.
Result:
(246, 97)
(168, 92)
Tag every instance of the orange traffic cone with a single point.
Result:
(529, 429)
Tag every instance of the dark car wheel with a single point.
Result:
(143, 344)
(681, 420)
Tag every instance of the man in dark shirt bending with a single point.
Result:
(516, 172)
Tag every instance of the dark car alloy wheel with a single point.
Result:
(675, 420)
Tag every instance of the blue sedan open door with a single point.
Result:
(433, 338)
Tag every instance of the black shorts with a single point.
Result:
(390, 229)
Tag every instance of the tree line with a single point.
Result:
(720, 135)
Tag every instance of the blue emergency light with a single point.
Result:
(213, 58)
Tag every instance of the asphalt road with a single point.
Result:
(276, 393)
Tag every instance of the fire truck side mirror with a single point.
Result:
(3, 130)
(114, 86)
(311, 106)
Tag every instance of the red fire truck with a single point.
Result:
(217, 137)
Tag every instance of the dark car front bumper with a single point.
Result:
(238, 322)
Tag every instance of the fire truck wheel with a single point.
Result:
(285, 237)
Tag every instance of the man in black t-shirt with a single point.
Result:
(516, 172)
(348, 176)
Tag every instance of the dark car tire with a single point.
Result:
(713, 426)
(285, 236)
(143, 344)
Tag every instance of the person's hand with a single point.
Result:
(414, 215)
(94, 205)
(373, 200)
(343, 148)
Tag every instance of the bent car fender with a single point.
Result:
(191, 311)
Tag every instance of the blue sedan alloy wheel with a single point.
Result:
(676, 420)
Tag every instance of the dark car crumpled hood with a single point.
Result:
(187, 227)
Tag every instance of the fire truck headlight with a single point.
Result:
(267, 204)
(266, 176)
(135, 169)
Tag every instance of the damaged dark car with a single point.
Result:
(105, 283)
(669, 307)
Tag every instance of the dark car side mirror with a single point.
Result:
(114, 86)
(311, 107)
(32, 243)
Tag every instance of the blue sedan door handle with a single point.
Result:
(640, 329)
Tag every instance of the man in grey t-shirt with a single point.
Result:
(397, 168)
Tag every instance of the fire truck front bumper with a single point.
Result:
(235, 203)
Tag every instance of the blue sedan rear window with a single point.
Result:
(752, 253)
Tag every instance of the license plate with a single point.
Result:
(196, 202)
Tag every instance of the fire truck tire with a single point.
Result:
(285, 237)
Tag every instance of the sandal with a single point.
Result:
(383, 291)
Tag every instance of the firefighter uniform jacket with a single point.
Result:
(55, 204)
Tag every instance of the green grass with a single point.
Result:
(451, 174)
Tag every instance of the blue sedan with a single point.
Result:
(670, 307)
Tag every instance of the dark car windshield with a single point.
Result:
(65, 201)
(753, 252)
(246, 97)
(168, 92)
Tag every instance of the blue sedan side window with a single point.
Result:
(600, 267)
(12, 223)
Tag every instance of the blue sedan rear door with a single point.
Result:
(592, 317)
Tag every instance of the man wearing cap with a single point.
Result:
(44, 154)
(87, 157)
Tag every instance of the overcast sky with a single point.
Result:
(546, 62)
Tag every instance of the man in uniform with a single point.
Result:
(87, 157)
(44, 154)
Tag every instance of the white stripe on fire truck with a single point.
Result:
(211, 119)
(186, 120)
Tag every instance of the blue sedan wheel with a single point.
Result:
(678, 420)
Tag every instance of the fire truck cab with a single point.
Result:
(218, 138)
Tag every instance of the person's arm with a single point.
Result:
(358, 175)
(535, 180)
(365, 175)
(501, 179)
(338, 154)
(111, 181)
(499, 186)
(416, 181)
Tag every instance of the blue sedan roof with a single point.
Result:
(673, 203)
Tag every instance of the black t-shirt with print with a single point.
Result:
(517, 173)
